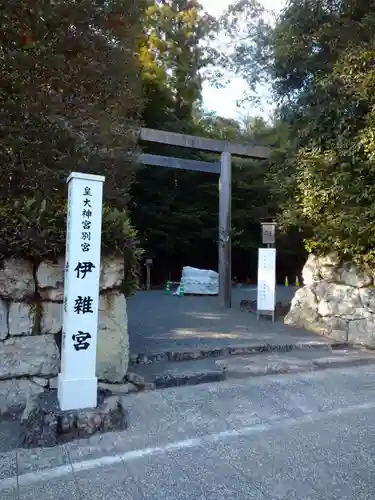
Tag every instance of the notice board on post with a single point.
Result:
(266, 282)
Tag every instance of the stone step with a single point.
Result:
(232, 350)
(293, 362)
(172, 374)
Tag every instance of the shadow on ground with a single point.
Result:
(158, 322)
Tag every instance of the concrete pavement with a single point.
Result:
(299, 436)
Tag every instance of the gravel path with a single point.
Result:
(159, 323)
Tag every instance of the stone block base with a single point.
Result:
(44, 424)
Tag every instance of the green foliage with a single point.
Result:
(176, 212)
(319, 58)
(35, 228)
(69, 96)
(332, 174)
(173, 55)
(32, 228)
(69, 93)
(174, 52)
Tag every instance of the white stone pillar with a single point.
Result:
(77, 382)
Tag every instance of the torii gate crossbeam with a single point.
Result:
(224, 169)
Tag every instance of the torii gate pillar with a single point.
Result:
(225, 185)
(225, 217)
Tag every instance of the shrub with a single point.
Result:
(69, 94)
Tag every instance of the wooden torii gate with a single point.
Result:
(224, 169)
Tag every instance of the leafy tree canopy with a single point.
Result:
(319, 58)
(69, 99)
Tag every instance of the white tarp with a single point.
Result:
(199, 281)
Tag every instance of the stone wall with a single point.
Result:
(337, 300)
(31, 304)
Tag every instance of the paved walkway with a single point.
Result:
(305, 437)
(159, 323)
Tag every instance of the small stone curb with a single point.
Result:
(260, 368)
(191, 355)
(302, 367)
(118, 389)
(195, 379)
(323, 365)
(136, 379)
(167, 381)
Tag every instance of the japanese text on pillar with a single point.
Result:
(84, 304)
